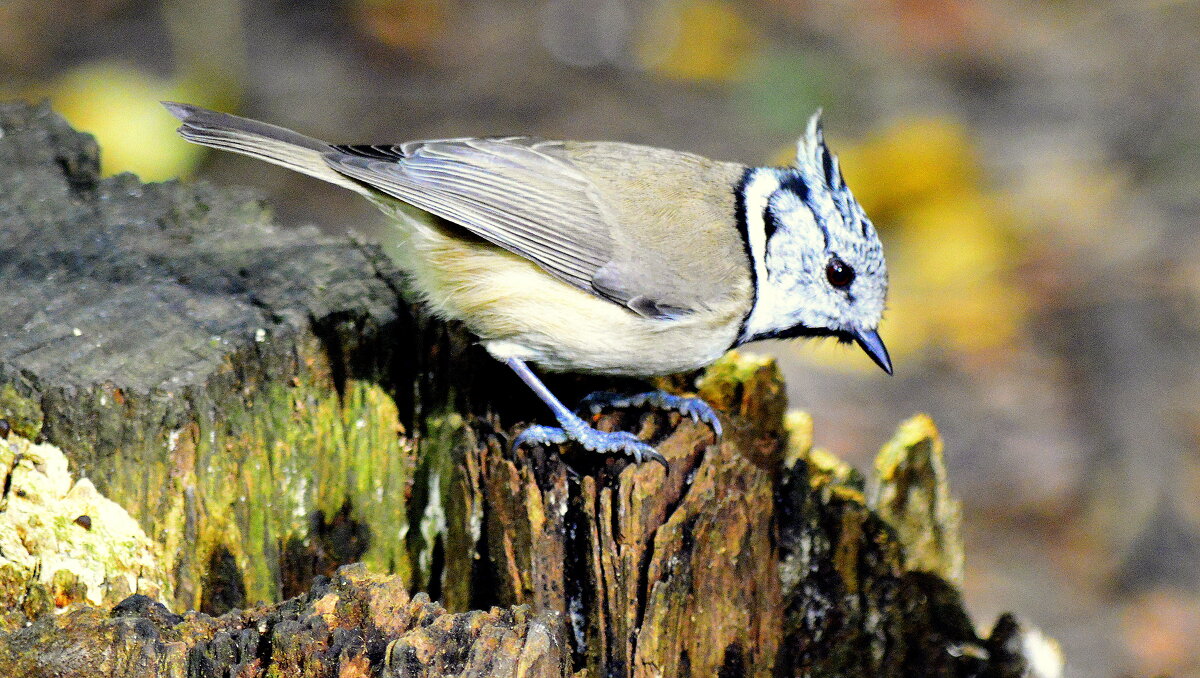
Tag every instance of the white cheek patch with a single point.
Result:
(777, 304)
(756, 195)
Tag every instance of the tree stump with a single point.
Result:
(207, 418)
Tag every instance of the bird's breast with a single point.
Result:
(518, 310)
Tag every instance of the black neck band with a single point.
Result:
(739, 218)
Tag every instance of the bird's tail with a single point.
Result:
(259, 140)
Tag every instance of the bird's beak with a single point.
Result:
(871, 343)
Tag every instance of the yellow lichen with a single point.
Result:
(697, 41)
(61, 533)
(799, 427)
(911, 492)
(724, 382)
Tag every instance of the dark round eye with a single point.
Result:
(840, 273)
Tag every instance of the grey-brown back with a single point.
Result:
(675, 237)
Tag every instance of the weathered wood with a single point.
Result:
(632, 555)
(267, 408)
(354, 624)
(232, 385)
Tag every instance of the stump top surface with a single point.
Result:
(149, 286)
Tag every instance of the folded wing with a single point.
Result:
(517, 192)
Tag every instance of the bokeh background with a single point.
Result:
(1034, 168)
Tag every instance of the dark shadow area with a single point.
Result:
(224, 588)
(333, 541)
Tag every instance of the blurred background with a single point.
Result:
(1033, 167)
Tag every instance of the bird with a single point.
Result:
(603, 257)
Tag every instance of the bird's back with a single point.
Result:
(693, 253)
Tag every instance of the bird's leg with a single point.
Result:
(575, 429)
(695, 408)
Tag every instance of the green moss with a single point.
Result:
(24, 414)
(270, 473)
(445, 512)
(735, 367)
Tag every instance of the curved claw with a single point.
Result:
(654, 456)
(701, 412)
(694, 408)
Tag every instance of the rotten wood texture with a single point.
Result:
(267, 408)
(238, 388)
(355, 624)
(633, 555)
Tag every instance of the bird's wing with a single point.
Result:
(520, 193)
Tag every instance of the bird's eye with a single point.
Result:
(840, 273)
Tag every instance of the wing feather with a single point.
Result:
(519, 193)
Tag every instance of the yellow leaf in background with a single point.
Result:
(951, 240)
(120, 105)
(950, 246)
(697, 40)
(912, 159)
(954, 254)
(985, 317)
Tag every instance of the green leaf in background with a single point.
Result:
(783, 88)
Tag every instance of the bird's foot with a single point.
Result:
(694, 408)
(576, 430)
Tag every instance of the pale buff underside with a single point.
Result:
(518, 311)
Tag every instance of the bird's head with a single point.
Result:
(818, 263)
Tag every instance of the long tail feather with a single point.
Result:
(259, 140)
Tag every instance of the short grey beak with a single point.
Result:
(871, 343)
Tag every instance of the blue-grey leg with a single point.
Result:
(695, 408)
(575, 429)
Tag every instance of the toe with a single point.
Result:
(700, 412)
(641, 452)
(717, 427)
(591, 439)
(540, 435)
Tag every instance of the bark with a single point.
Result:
(246, 409)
